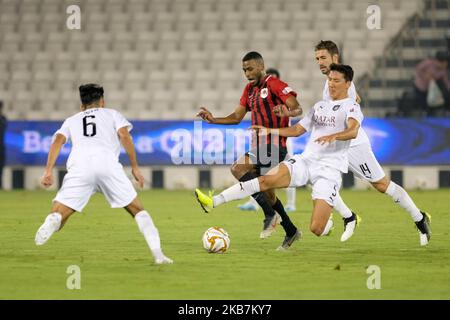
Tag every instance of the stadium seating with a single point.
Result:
(392, 72)
(150, 54)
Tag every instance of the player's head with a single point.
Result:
(91, 96)
(340, 78)
(274, 72)
(326, 52)
(253, 66)
(442, 57)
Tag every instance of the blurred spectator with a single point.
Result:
(273, 72)
(432, 69)
(3, 123)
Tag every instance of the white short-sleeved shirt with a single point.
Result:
(362, 135)
(94, 132)
(325, 118)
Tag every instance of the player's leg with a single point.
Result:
(288, 226)
(291, 195)
(53, 222)
(245, 169)
(402, 198)
(76, 189)
(148, 230)
(320, 216)
(364, 162)
(290, 192)
(326, 182)
(120, 193)
(241, 190)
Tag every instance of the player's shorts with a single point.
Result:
(362, 162)
(266, 158)
(326, 181)
(109, 178)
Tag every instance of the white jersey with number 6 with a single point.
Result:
(93, 163)
(94, 132)
(362, 135)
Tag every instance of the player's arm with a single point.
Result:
(233, 118)
(292, 131)
(47, 179)
(127, 142)
(350, 133)
(291, 108)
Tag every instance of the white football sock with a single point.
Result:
(238, 191)
(341, 207)
(290, 193)
(401, 197)
(151, 235)
(327, 228)
(51, 224)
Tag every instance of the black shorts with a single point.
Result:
(267, 157)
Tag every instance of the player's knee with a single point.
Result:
(237, 171)
(316, 228)
(381, 185)
(265, 183)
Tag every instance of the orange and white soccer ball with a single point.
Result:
(216, 240)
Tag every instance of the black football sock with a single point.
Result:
(286, 223)
(260, 197)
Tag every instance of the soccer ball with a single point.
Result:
(216, 240)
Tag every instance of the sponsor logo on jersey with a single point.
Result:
(264, 93)
(336, 107)
(325, 121)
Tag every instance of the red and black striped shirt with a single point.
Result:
(260, 101)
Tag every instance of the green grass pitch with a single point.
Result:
(115, 262)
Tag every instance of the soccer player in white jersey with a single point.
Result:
(251, 204)
(362, 161)
(93, 165)
(333, 123)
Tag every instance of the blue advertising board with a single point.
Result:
(394, 142)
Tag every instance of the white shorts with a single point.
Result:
(362, 162)
(326, 181)
(80, 183)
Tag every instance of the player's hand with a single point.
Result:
(260, 129)
(326, 139)
(138, 176)
(47, 179)
(281, 110)
(206, 115)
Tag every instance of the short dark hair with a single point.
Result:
(346, 70)
(252, 55)
(274, 72)
(90, 93)
(328, 45)
(442, 56)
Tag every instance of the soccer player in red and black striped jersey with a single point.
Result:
(271, 103)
